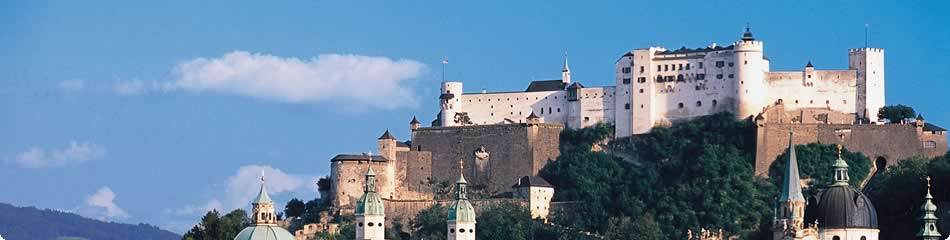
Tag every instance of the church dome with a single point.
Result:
(462, 211)
(370, 203)
(264, 232)
(845, 207)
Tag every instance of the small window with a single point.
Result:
(626, 81)
(836, 238)
(718, 76)
(732, 76)
(714, 103)
(731, 64)
(720, 64)
(659, 68)
(641, 90)
(451, 230)
(700, 65)
(681, 66)
(687, 66)
(370, 224)
(586, 119)
(626, 106)
(558, 109)
(666, 67)
(641, 69)
(680, 105)
(641, 105)
(745, 62)
(699, 103)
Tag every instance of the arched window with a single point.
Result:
(699, 103)
(680, 105)
(836, 238)
(864, 238)
(714, 103)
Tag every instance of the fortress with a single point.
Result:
(505, 138)
(657, 87)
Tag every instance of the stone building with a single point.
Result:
(410, 173)
(885, 144)
(655, 87)
(538, 192)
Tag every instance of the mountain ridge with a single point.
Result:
(18, 223)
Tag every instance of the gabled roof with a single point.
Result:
(358, 157)
(575, 85)
(933, 128)
(546, 85)
(920, 116)
(446, 96)
(532, 181)
(532, 116)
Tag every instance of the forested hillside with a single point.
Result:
(30, 223)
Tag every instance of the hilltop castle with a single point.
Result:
(655, 87)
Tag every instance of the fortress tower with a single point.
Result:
(869, 64)
(750, 70)
(451, 100)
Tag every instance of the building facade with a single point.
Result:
(656, 87)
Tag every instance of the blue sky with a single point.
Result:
(152, 111)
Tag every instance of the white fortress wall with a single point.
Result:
(834, 89)
(596, 105)
(494, 108)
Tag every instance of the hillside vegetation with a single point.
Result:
(44, 224)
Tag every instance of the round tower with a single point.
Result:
(750, 75)
(451, 101)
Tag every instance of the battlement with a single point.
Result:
(851, 50)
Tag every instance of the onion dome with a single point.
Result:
(843, 206)
(370, 203)
(929, 229)
(461, 210)
(747, 36)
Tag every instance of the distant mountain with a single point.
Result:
(30, 223)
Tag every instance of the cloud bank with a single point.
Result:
(105, 199)
(362, 81)
(71, 85)
(75, 153)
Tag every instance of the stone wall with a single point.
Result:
(404, 210)
(510, 152)
(887, 143)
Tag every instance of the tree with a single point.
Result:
(643, 228)
(430, 223)
(213, 226)
(506, 220)
(896, 114)
(898, 193)
(815, 161)
(294, 208)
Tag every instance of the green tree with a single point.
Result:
(898, 192)
(896, 113)
(642, 228)
(214, 226)
(294, 208)
(506, 220)
(430, 223)
(815, 161)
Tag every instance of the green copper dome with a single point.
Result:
(370, 203)
(264, 232)
(462, 211)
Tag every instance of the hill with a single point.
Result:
(18, 223)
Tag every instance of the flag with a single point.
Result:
(445, 61)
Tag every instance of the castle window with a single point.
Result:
(641, 69)
(641, 105)
(714, 103)
(836, 238)
(720, 64)
(586, 119)
(666, 67)
(844, 101)
(809, 75)
(680, 105)
(361, 224)
(699, 103)
(732, 76)
(549, 110)
(811, 101)
(930, 144)
(626, 81)
(626, 106)
(796, 101)
(452, 230)
(827, 101)
(641, 90)
(681, 66)
(542, 111)
(679, 78)
(659, 78)
(687, 66)
(641, 79)
(558, 109)
(700, 76)
(700, 65)
(731, 64)
(718, 76)
(659, 68)
(491, 106)
(419, 148)
(745, 62)
(511, 106)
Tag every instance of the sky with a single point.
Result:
(156, 111)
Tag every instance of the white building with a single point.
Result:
(655, 87)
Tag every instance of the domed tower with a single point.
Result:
(370, 212)
(750, 75)
(461, 222)
(451, 102)
(263, 220)
(929, 230)
(843, 211)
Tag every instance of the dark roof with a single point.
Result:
(414, 120)
(446, 96)
(575, 85)
(845, 207)
(747, 35)
(358, 157)
(809, 65)
(403, 144)
(546, 85)
(387, 135)
(532, 181)
(697, 50)
(933, 128)
(532, 115)
(920, 116)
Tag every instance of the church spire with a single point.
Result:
(791, 182)
(263, 207)
(566, 72)
(929, 229)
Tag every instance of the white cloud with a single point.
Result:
(105, 199)
(71, 85)
(361, 81)
(76, 152)
(189, 210)
(139, 87)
